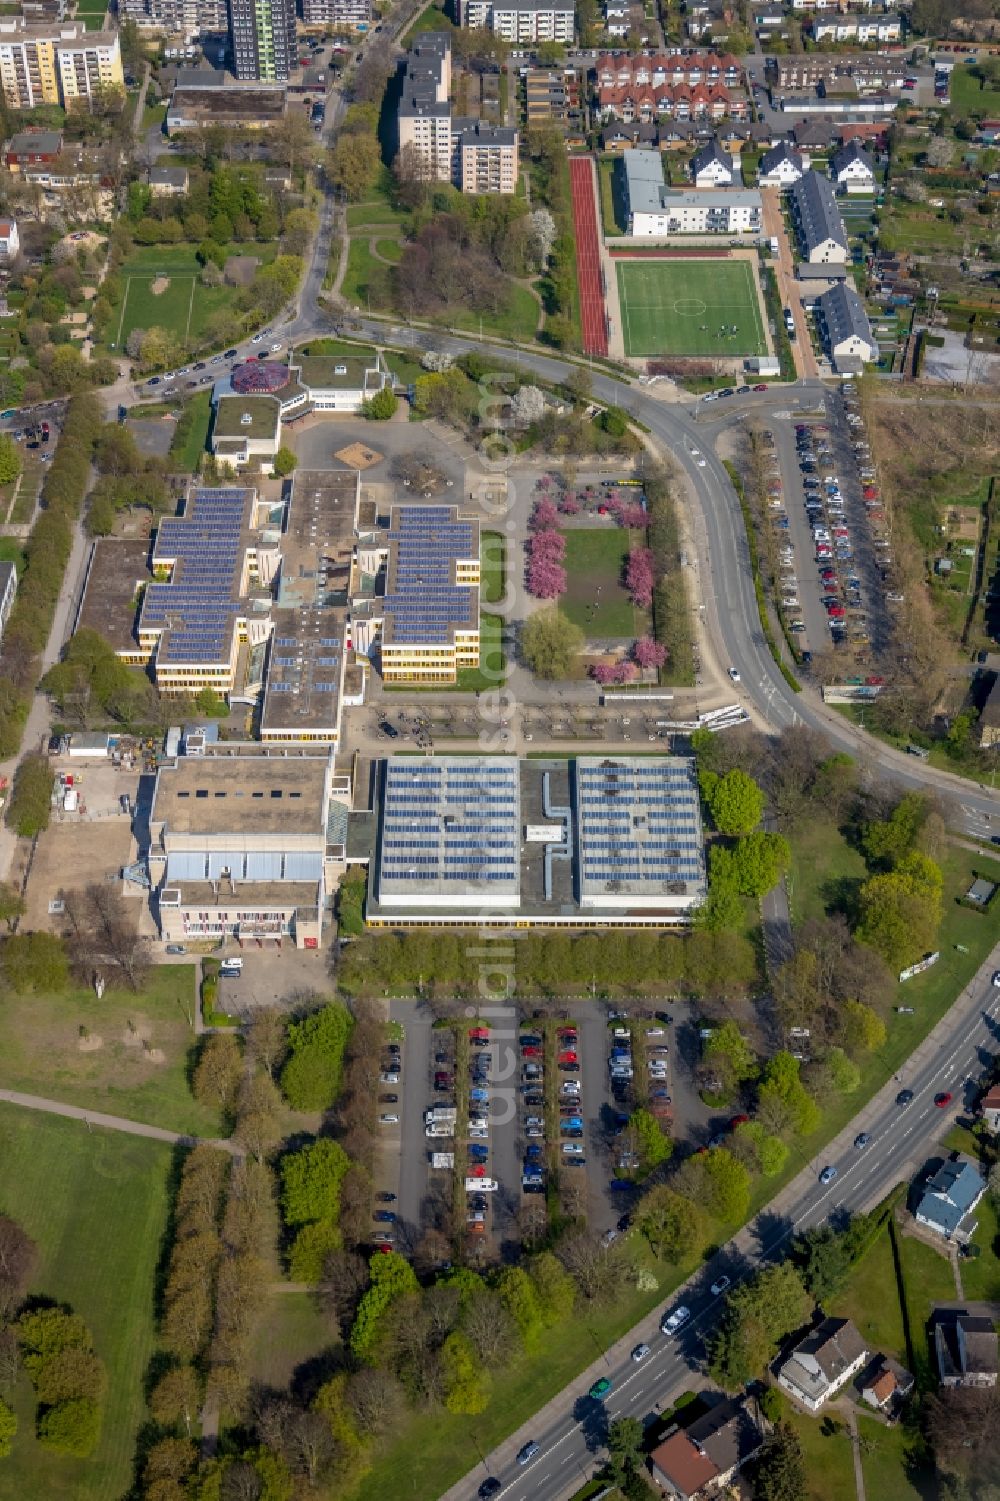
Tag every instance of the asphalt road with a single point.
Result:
(570, 1432)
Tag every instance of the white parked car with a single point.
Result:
(670, 1323)
(734, 675)
(388, 1120)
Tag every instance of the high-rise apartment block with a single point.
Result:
(262, 33)
(58, 64)
(475, 156)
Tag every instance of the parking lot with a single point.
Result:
(833, 558)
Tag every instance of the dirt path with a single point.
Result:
(93, 1118)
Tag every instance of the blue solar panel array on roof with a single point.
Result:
(197, 607)
(423, 603)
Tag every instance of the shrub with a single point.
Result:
(72, 1427)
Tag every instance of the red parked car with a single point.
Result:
(568, 1058)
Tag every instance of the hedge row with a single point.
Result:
(46, 554)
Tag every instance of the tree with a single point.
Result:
(34, 961)
(779, 1473)
(72, 1427)
(654, 1145)
(380, 407)
(735, 801)
(284, 462)
(10, 460)
(70, 1374)
(648, 653)
(824, 1258)
(18, 1258)
(555, 1287)
(675, 1226)
(353, 165)
(176, 1398)
(549, 642)
(11, 903)
(886, 841)
(466, 1384)
(900, 910)
(625, 1436)
(727, 1042)
(728, 1185)
(759, 1314)
(218, 1072)
(258, 1127)
(527, 405)
(8, 1428)
(782, 1085)
(310, 1182)
(961, 1426)
(312, 1075)
(392, 1278)
(31, 798)
(939, 152)
(266, 1039)
(759, 861)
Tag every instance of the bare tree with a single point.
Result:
(374, 1397)
(345, 1280)
(267, 1038)
(18, 1258)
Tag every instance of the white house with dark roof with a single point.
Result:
(851, 168)
(781, 166)
(711, 167)
(847, 332)
(950, 1199)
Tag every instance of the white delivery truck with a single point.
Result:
(442, 1160)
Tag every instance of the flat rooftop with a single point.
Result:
(271, 795)
(246, 417)
(339, 372)
(305, 672)
(117, 572)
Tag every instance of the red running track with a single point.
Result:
(588, 256)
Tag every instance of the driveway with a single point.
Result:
(788, 287)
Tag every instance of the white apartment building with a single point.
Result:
(476, 157)
(520, 21)
(487, 159)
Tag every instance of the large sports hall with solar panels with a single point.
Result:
(491, 841)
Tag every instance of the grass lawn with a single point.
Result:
(612, 219)
(187, 453)
(677, 307)
(981, 1275)
(969, 97)
(290, 1332)
(824, 869)
(389, 250)
(518, 321)
(927, 1279)
(431, 19)
(829, 1462)
(492, 663)
(41, 1053)
(380, 209)
(869, 1298)
(404, 368)
(10, 552)
(491, 564)
(96, 1204)
(595, 597)
(362, 270)
(153, 114)
(896, 1463)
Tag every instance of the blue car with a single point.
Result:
(481, 1095)
(574, 1123)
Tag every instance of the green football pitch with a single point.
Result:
(690, 308)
